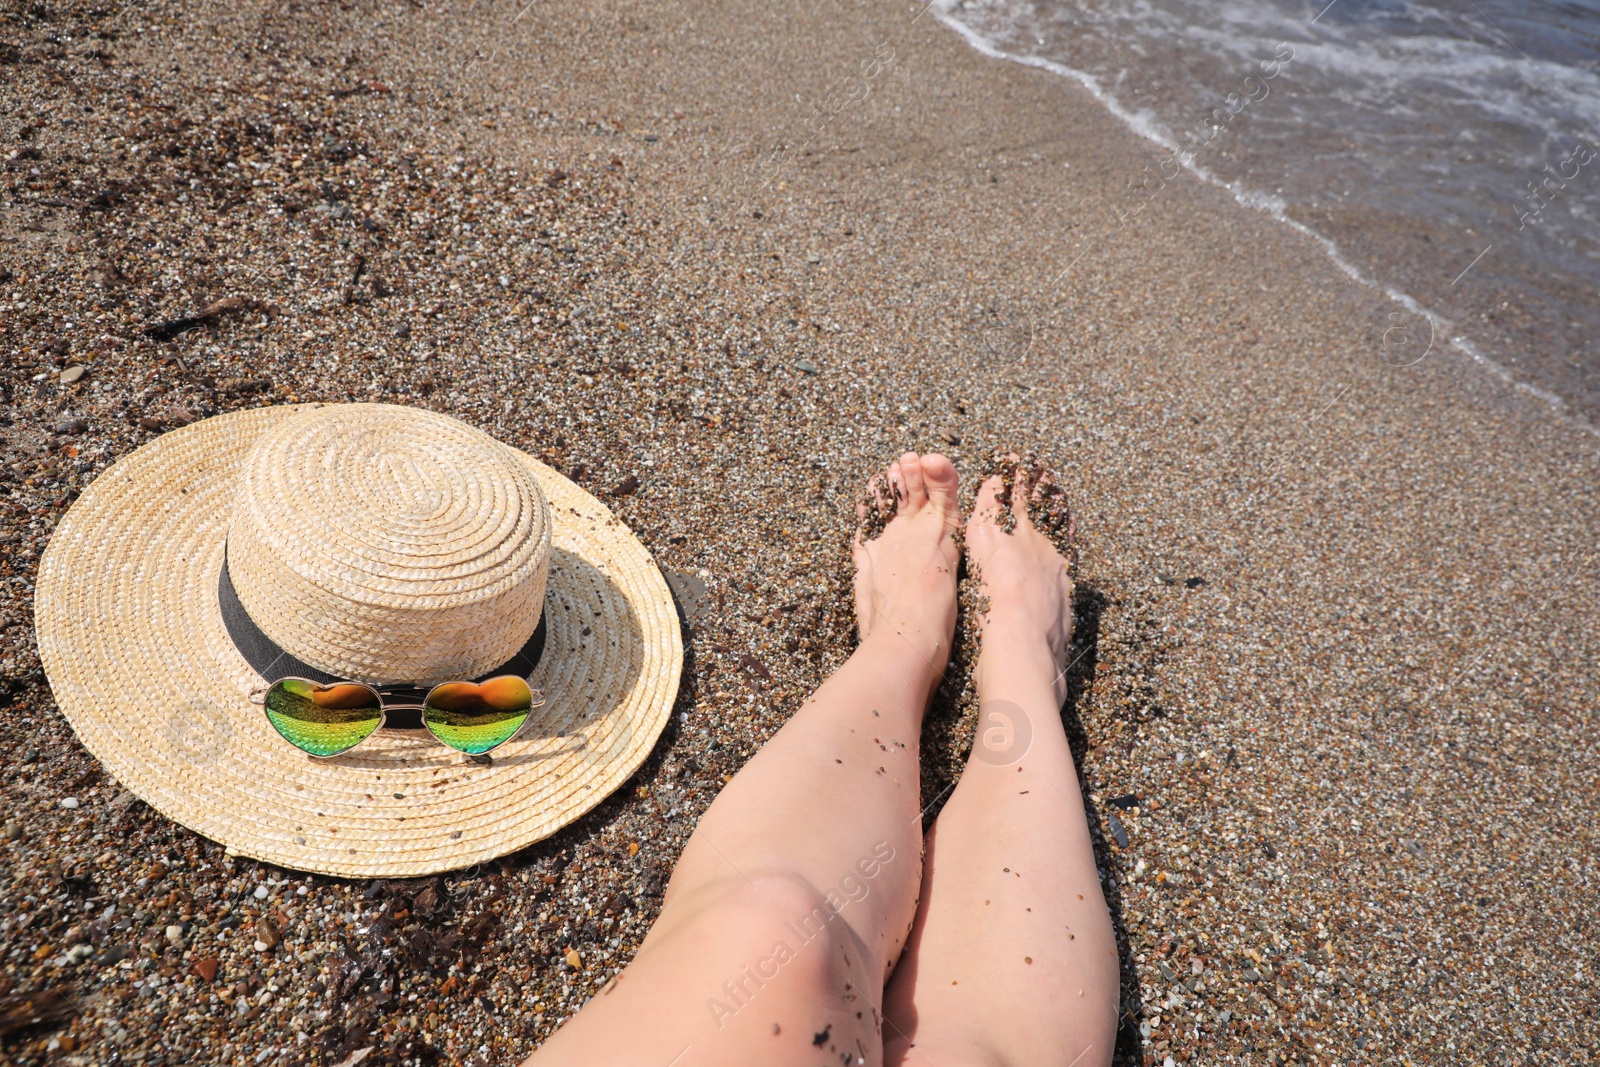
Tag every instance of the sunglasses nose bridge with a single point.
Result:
(409, 708)
(403, 697)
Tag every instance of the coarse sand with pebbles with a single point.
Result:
(1332, 685)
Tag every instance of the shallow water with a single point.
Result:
(1450, 153)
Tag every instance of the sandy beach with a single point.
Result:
(1335, 699)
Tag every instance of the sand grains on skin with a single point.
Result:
(1021, 547)
(906, 555)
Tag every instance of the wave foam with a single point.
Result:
(1146, 125)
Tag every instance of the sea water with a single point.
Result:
(1447, 154)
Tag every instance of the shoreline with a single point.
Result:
(1413, 315)
(1274, 207)
(1319, 593)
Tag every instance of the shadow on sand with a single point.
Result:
(1087, 605)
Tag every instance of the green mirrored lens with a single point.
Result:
(474, 717)
(323, 720)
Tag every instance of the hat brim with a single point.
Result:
(133, 642)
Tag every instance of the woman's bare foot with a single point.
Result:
(1027, 584)
(905, 581)
(1011, 957)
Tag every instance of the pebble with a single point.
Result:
(805, 366)
(70, 803)
(14, 831)
(573, 959)
(112, 954)
(70, 426)
(1119, 833)
(691, 593)
(72, 374)
(262, 892)
(174, 933)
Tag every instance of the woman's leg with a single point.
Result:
(794, 895)
(1012, 961)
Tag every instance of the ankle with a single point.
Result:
(1015, 637)
(1016, 661)
(920, 656)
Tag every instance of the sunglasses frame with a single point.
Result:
(384, 707)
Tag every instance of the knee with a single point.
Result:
(768, 899)
(941, 1052)
(776, 890)
(794, 924)
(766, 935)
(784, 903)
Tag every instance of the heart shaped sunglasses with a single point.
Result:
(328, 720)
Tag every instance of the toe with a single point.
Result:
(916, 492)
(883, 491)
(875, 508)
(897, 481)
(1053, 512)
(987, 509)
(942, 481)
(1042, 481)
(1021, 492)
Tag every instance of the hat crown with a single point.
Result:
(389, 544)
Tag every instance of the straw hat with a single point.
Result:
(367, 542)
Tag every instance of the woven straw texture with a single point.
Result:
(389, 544)
(133, 643)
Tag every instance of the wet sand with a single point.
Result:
(1335, 699)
